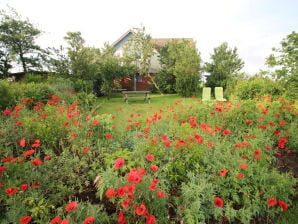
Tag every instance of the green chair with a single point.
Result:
(206, 96)
(219, 94)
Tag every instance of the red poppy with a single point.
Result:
(119, 163)
(24, 187)
(150, 219)
(47, 158)
(149, 157)
(36, 143)
(240, 176)
(160, 194)
(6, 111)
(22, 142)
(154, 168)
(2, 169)
(29, 152)
(25, 219)
(36, 162)
(110, 192)
(243, 166)
(109, 136)
(56, 220)
(89, 220)
(11, 191)
(35, 184)
(121, 218)
(71, 206)
(218, 202)
(223, 172)
(85, 150)
(226, 132)
(271, 202)
(283, 205)
(65, 221)
(125, 203)
(141, 210)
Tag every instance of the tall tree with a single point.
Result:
(83, 60)
(18, 37)
(5, 62)
(225, 65)
(284, 61)
(180, 67)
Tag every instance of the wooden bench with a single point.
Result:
(127, 94)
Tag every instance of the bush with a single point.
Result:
(258, 87)
(7, 98)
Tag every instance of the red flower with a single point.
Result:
(85, 150)
(29, 152)
(223, 172)
(154, 168)
(11, 191)
(2, 169)
(243, 166)
(150, 219)
(271, 202)
(22, 142)
(89, 220)
(55, 220)
(121, 218)
(6, 111)
(47, 158)
(226, 132)
(25, 219)
(36, 143)
(71, 206)
(24, 187)
(65, 221)
(283, 205)
(109, 136)
(218, 202)
(119, 163)
(149, 157)
(110, 192)
(160, 194)
(141, 210)
(240, 176)
(36, 162)
(35, 184)
(248, 121)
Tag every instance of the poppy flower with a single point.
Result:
(6, 111)
(65, 221)
(89, 220)
(25, 219)
(85, 150)
(109, 136)
(11, 191)
(271, 202)
(29, 152)
(119, 163)
(218, 202)
(121, 218)
(283, 205)
(160, 194)
(71, 206)
(110, 192)
(22, 142)
(24, 187)
(226, 132)
(240, 176)
(36, 162)
(47, 158)
(154, 168)
(141, 210)
(243, 166)
(150, 219)
(56, 220)
(149, 157)
(223, 172)
(2, 169)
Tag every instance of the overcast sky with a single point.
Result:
(253, 26)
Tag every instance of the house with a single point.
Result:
(140, 81)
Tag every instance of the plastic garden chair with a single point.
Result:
(219, 94)
(206, 94)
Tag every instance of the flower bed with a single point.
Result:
(190, 162)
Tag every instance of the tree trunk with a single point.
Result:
(154, 83)
(23, 60)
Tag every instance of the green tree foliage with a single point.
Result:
(225, 65)
(111, 69)
(58, 61)
(138, 50)
(180, 70)
(83, 60)
(5, 62)
(18, 37)
(284, 61)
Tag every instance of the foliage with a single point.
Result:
(225, 65)
(258, 87)
(18, 36)
(180, 68)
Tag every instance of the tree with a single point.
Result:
(83, 60)
(180, 69)
(284, 61)
(111, 69)
(5, 62)
(225, 66)
(18, 37)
